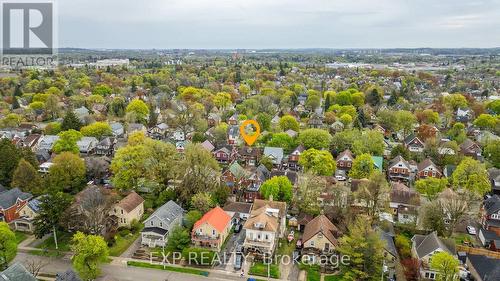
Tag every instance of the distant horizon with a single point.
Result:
(288, 48)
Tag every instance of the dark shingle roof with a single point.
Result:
(486, 267)
(68, 275)
(16, 272)
(492, 204)
(9, 198)
(426, 244)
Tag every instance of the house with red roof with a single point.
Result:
(212, 229)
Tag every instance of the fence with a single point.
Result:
(478, 251)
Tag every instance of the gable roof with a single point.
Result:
(16, 272)
(492, 204)
(426, 244)
(398, 159)
(276, 153)
(402, 194)
(238, 207)
(259, 203)
(410, 138)
(9, 198)
(347, 153)
(130, 202)
(68, 275)
(216, 217)
(168, 212)
(262, 220)
(320, 224)
(389, 243)
(426, 163)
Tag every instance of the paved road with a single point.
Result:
(123, 273)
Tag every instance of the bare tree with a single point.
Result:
(34, 266)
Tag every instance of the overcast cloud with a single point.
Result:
(278, 23)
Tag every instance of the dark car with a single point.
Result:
(238, 249)
(237, 228)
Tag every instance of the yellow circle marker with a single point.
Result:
(250, 139)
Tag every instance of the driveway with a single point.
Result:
(227, 254)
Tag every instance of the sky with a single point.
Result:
(257, 24)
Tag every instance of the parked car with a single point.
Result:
(471, 230)
(238, 249)
(237, 228)
(340, 178)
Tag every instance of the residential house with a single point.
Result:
(490, 214)
(344, 160)
(128, 209)
(213, 119)
(212, 229)
(275, 154)
(336, 127)
(489, 239)
(233, 120)
(11, 202)
(424, 247)
(68, 275)
(158, 226)
(427, 168)
(470, 149)
(414, 144)
(494, 176)
(16, 272)
(117, 129)
(46, 142)
(315, 121)
(159, 132)
(256, 178)
(320, 237)
(235, 177)
(291, 133)
(378, 163)
(106, 146)
(44, 167)
(31, 141)
(87, 145)
(249, 156)
(233, 135)
(27, 214)
(463, 115)
(483, 268)
(403, 202)
(135, 127)
(208, 146)
(82, 113)
(294, 157)
(390, 252)
(399, 169)
(178, 135)
(238, 211)
(224, 154)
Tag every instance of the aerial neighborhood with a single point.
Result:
(130, 162)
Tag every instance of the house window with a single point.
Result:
(151, 223)
(425, 173)
(258, 236)
(122, 212)
(312, 243)
(213, 231)
(161, 224)
(267, 237)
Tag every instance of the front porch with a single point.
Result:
(154, 237)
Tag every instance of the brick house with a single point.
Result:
(399, 169)
(11, 202)
(414, 144)
(427, 168)
(344, 160)
(490, 214)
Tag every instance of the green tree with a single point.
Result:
(67, 173)
(315, 138)
(374, 194)
(486, 121)
(178, 239)
(222, 100)
(289, 122)
(52, 206)
(90, 251)
(433, 217)
(8, 161)
(445, 265)
(264, 121)
(400, 150)
(431, 187)
(471, 175)
(67, 142)
(309, 190)
(318, 162)
(362, 166)
(369, 142)
(455, 101)
(97, 130)
(53, 128)
(313, 102)
(202, 201)
(192, 217)
(27, 178)
(405, 121)
(8, 245)
(102, 90)
(365, 249)
(282, 140)
(139, 109)
(71, 122)
(200, 172)
(492, 152)
(457, 132)
(280, 188)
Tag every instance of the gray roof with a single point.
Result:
(9, 198)
(492, 204)
(486, 267)
(87, 143)
(68, 275)
(276, 154)
(168, 212)
(389, 243)
(426, 244)
(16, 272)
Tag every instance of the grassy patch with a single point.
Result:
(261, 269)
(460, 238)
(43, 253)
(333, 277)
(169, 268)
(20, 236)
(286, 248)
(122, 243)
(312, 272)
(63, 241)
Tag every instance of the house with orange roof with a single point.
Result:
(212, 229)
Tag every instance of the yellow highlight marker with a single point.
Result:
(250, 139)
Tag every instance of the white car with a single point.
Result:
(471, 230)
(340, 178)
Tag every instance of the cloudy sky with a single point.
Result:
(278, 23)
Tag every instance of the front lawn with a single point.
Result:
(333, 277)
(460, 238)
(63, 241)
(312, 272)
(261, 269)
(169, 268)
(286, 248)
(20, 236)
(123, 242)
